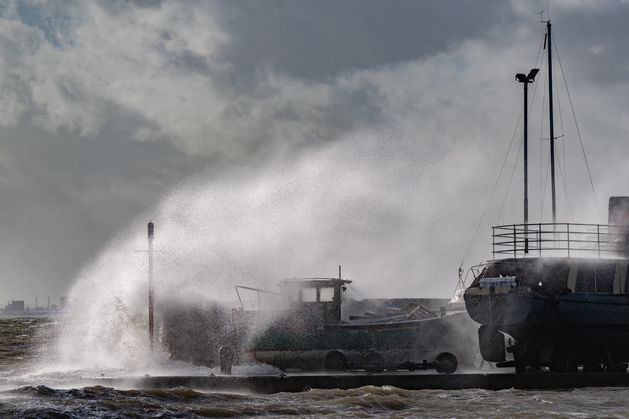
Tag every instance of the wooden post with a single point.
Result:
(150, 238)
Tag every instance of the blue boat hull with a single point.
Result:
(536, 310)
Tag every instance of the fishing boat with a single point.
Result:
(554, 295)
(309, 333)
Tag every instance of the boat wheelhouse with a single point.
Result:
(311, 332)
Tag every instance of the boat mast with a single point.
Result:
(550, 110)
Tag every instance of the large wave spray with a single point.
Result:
(362, 203)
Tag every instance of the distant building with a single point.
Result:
(14, 307)
(20, 308)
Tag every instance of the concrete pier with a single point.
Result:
(266, 384)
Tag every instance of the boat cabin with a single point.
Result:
(319, 299)
(556, 276)
(561, 258)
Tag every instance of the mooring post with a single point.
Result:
(151, 235)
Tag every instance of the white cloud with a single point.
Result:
(160, 75)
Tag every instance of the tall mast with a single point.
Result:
(550, 110)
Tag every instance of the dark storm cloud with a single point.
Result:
(107, 105)
(594, 30)
(63, 197)
(318, 39)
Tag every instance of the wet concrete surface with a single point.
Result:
(267, 384)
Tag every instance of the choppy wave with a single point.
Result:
(26, 392)
(41, 401)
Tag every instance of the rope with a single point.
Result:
(547, 171)
(574, 115)
(510, 181)
(563, 173)
(522, 141)
(493, 191)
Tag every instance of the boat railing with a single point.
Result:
(560, 240)
(258, 292)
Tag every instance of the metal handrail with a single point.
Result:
(560, 239)
(256, 290)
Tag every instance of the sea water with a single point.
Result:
(27, 389)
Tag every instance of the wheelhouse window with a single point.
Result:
(292, 294)
(598, 278)
(619, 278)
(326, 294)
(554, 278)
(605, 278)
(309, 294)
(585, 279)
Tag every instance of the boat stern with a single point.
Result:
(499, 302)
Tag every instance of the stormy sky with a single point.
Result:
(108, 107)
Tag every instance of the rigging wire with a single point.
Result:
(542, 181)
(504, 201)
(564, 173)
(517, 158)
(547, 171)
(576, 124)
(493, 191)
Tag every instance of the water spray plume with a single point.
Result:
(360, 203)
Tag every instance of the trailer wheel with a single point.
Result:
(373, 362)
(226, 359)
(446, 363)
(335, 361)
